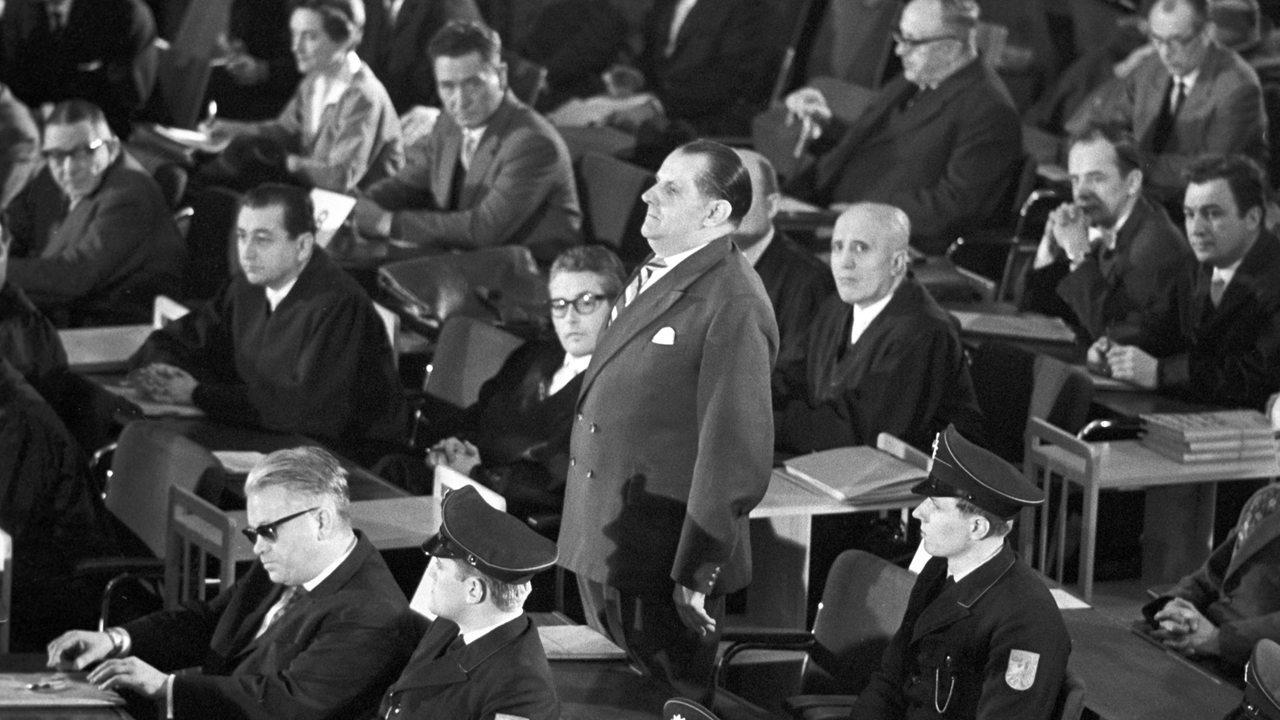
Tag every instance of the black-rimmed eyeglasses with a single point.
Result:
(78, 153)
(585, 304)
(268, 531)
(912, 43)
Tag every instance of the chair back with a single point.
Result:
(199, 533)
(1070, 703)
(854, 41)
(149, 459)
(497, 284)
(611, 190)
(862, 606)
(468, 353)
(6, 588)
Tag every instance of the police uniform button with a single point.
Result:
(591, 474)
(573, 461)
(579, 416)
(594, 428)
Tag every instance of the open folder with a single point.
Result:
(850, 474)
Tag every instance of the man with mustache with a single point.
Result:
(1111, 254)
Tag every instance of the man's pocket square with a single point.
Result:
(665, 336)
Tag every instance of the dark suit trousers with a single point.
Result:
(650, 630)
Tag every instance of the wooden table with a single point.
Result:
(33, 662)
(1120, 465)
(1129, 678)
(780, 533)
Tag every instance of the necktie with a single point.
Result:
(1162, 131)
(1216, 290)
(288, 601)
(1179, 94)
(469, 142)
(637, 284)
(1262, 504)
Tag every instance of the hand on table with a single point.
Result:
(161, 382)
(691, 605)
(457, 454)
(1183, 628)
(77, 649)
(129, 673)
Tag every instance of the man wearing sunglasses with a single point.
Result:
(1189, 97)
(318, 628)
(94, 239)
(942, 142)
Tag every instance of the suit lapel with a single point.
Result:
(1262, 535)
(486, 152)
(648, 308)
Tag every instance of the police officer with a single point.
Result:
(982, 636)
(481, 656)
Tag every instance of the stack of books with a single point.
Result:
(1210, 436)
(854, 474)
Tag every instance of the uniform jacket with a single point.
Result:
(723, 55)
(330, 658)
(1223, 113)
(671, 446)
(1229, 355)
(796, 282)
(950, 161)
(991, 646)
(1237, 591)
(106, 259)
(1113, 292)
(319, 365)
(906, 375)
(519, 189)
(505, 671)
(357, 140)
(397, 51)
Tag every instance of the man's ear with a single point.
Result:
(719, 213)
(306, 246)
(477, 589)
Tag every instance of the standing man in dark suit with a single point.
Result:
(880, 356)
(492, 171)
(1190, 97)
(317, 629)
(982, 636)
(1111, 255)
(942, 142)
(1219, 340)
(396, 33)
(481, 657)
(797, 282)
(672, 443)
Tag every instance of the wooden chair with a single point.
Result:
(199, 534)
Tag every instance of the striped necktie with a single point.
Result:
(637, 284)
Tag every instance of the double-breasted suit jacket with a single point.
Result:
(672, 441)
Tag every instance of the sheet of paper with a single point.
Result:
(1067, 601)
(332, 210)
(153, 409)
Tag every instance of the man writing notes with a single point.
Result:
(1111, 254)
(317, 629)
(1218, 342)
(671, 445)
(881, 356)
(293, 344)
(982, 636)
(492, 171)
(481, 657)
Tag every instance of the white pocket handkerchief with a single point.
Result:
(665, 336)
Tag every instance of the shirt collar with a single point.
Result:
(274, 297)
(1108, 235)
(959, 570)
(1189, 81)
(863, 316)
(1227, 272)
(314, 582)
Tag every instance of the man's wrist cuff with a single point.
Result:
(121, 643)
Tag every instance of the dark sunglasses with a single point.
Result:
(268, 530)
(79, 153)
(585, 304)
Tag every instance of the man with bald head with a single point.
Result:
(794, 279)
(942, 141)
(881, 355)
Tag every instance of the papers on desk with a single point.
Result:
(53, 689)
(1067, 601)
(1210, 436)
(332, 210)
(150, 408)
(240, 462)
(1019, 326)
(851, 474)
(577, 642)
(194, 139)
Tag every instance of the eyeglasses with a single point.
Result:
(268, 531)
(78, 153)
(585, 304)
(1175, 42)
(912, 43)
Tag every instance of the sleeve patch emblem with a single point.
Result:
(1021, 673)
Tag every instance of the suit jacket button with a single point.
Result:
(579, 416)
(591, 474)
(594, 428)
(573, 461)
